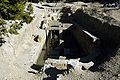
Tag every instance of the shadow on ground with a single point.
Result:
(2, 41)
(52, 73)
(108, 50)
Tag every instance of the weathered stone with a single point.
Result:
(118, 75)
(105, 30)
(59, 64)
(62, 64)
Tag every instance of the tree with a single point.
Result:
(14, 10)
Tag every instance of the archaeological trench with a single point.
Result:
(79, 34)
(87, 37)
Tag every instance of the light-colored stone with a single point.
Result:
(21, 51)
(119, 75)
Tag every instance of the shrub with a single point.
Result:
(2, 22)
(3, 31)
(13, 31)
(26, 17)
(14, 27)
(30, 9)
(14, 10)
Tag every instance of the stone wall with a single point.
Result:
(99, 28)
(86, 41)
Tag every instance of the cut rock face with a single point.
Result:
(87, 42)
(100, 26)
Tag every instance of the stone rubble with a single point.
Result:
(63, 64)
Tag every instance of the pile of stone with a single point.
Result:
(67, 64)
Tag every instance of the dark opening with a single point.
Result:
(2, 41)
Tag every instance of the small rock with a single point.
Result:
(118, 75)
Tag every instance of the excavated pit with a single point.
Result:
(107, 32)
(89, 39)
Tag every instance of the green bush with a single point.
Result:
(3, 31)
(30, 9)
(14, 27)
(14, 10)
(26, 17)
(2, 22)
(13, 31)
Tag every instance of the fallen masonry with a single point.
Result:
(67, 64)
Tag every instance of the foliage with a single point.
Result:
(30, 9)
(3, 31)
(2, 22)
(26, 18)
(8, 8)
(13, 31)
(14, 10)
(14, 27)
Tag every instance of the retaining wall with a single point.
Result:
(103, 30)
